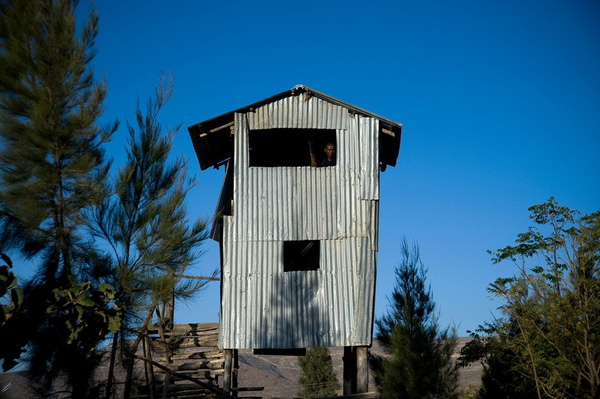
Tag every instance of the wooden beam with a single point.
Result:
(198, 277)
(222, 127)
(349, 361)
(185, 377)
(227, 373)
(388, 132)
(280, 352)
(362, 370)
(234, 376)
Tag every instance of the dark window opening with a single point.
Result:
(300, 255)
(289, 147)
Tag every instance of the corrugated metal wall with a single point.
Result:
(265, 307)
(298, 113)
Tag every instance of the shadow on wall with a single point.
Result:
(294, 315)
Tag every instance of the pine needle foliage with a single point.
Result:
(52, 165)
(145, 223)
(52, 172)
(316, 374)
(419, 363)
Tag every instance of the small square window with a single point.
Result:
(301, 255)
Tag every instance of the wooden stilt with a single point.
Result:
(234, 376)
(227, 370)
(362, 369)
(349, 370)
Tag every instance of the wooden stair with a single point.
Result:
(193, 352)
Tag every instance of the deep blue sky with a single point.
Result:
(499, 101)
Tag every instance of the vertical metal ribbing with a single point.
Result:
(297, 113)
(264, 306)
(369, 169)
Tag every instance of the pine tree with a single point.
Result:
(316, 374)
(52, 172)
(11, 299)
(145, 224)
(419, 364)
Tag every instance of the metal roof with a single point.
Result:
(212, 139)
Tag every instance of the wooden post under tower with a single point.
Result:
(356, 370)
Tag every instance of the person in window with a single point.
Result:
(329, 159)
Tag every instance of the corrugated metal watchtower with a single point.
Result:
(298, 240)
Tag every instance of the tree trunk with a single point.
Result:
(111, 367)
(130, 364)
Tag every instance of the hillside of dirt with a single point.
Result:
(277, 374)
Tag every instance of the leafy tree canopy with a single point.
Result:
(547, 341)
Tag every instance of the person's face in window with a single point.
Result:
(329, 151)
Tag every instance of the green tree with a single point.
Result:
(52, 172)
(316, 374)
(549, 333)
(498, 380)
(11, 299)
(145, 223)
(420, 362)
